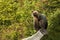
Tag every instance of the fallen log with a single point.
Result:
(37, 36)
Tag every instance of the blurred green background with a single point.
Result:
(16, 21)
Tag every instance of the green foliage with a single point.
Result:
(16, 20)
(53, 13)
